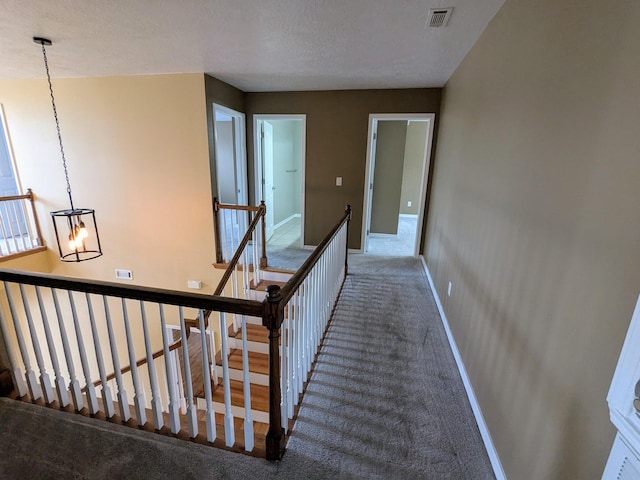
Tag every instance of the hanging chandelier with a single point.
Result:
(75, 228)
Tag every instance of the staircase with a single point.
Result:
(233, 376)
(255, 338)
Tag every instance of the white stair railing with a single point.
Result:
(65, 330)
(19, 227)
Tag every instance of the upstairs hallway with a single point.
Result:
(385, 401)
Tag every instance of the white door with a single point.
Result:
(230, 154)
(372, 170)
(267, 175)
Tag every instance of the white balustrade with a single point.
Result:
(71, 345)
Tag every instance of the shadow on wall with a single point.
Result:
(497, 343)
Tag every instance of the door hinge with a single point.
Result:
(375, 135)
(368, 232)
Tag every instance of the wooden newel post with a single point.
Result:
(347, 211)
(263, 259)
(216, 229)
(272, 316)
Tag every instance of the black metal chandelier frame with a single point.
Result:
(83, 241)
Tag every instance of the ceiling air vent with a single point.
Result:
(439, 17)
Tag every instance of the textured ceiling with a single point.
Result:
(254, 45)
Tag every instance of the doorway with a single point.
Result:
(279, 181)
(230, 155)
(398, 157)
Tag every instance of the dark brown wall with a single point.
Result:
(336, 145)
(216, 91)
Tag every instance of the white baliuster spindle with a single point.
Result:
(174, 402)
(300, 338)
(138, 393)
(283, 375)
(290, 359)
(192, 420)
(45, 382)
(246, 386)
(17, 218)
(61, 386)
(16, 374)
(296, 346)
(90, 389)
(123, 402)
(229, 431)
(210, 416)
(156, 402)
(107, 398)
(12, 233)
(74, 384)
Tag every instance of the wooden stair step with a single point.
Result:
(259, 395)
(258, 362)
(255, 333)
(263, 284)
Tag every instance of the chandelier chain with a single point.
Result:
(55, 116)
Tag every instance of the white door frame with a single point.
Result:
(370, 170)
(239, 151)
(257, 155)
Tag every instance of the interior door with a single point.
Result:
(267, 175)
(372, 170)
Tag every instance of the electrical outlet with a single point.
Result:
(409, 203)
(196, 284)
(122, 274)
(338, 181)
(449, 290)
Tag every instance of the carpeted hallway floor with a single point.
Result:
(386, 402)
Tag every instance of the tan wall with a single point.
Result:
(534, 219)
(387, 179)
(337, 124)
(412, 171)
(137, 153)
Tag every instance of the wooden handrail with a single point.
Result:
(229, 206)
(147, 294)
(296, 280)
(272, 318)
(8, 198)
(236, 256)
(175, 345)
(217, 206)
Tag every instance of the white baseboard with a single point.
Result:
(482, 426)
(283, 222)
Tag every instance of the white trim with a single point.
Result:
(290, 217)
(257, 156)
(12, 158)
(408, 215)
(239, 151)
(482, 426)
(370, 168)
